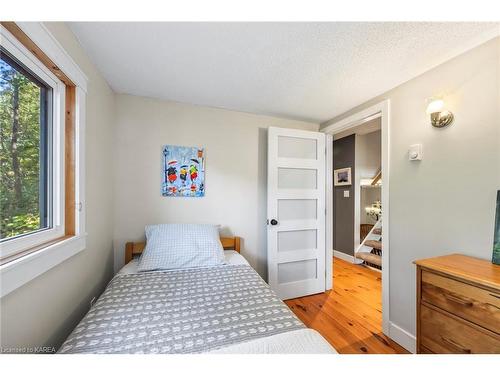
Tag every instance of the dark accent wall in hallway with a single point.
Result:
(343, 215)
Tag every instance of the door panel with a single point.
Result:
(296, 212)
(297, 271)
(297, 209)
(298, 240)
(297, 178)
(293, 147)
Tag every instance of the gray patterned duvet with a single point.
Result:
(181, 311)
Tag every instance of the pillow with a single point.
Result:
(173, 246)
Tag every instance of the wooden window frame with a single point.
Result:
(22, 266)
(14, 247)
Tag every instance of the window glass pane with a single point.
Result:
(24, 147)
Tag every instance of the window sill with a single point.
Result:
(22, 270)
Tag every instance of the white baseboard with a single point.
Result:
(402, 337)
(346, 257)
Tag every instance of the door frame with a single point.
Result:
(380, 110)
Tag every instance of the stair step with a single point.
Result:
(370, 258)
(375, 244)
(377, 231)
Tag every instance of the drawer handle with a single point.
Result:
(459, 300)
(455, 346)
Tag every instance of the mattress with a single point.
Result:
(231, 257)
(222, 309)
(300, 341)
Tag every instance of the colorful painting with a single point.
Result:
(183, 172)
(496, 237)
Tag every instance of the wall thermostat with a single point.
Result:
(415, 152)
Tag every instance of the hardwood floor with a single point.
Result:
(350, 315)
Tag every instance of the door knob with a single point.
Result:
(274, 222)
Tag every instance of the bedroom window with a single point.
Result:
(31, 153)
(25, 142)
(41, 168)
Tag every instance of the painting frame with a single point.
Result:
(342, 177)
(495, 258)
(183, 171)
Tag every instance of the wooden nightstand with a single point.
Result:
(458, 305)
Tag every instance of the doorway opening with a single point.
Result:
(357, 194)
(358, 201)
(354, 316)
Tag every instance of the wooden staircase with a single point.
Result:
(370, 250)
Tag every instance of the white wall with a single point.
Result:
(44, 311)
(368, 154)
(446, 202)
(235, 146)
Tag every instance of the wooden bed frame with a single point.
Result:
(136, 248)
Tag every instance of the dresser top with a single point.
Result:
(464, 267)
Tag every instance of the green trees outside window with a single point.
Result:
(24, 149)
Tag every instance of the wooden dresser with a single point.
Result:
(458, 305)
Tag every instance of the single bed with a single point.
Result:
(217, 310)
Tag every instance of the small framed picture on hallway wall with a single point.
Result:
(342, 177)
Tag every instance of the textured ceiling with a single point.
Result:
(308, 71)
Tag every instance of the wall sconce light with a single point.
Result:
(439, 117)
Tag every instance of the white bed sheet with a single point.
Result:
(231, 257)
(302, 341)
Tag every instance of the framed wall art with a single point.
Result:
(183, 170)
(342, 177)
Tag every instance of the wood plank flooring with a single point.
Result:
(350, 315)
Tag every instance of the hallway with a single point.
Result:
(350, 315)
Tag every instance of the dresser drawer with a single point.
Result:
(471, 303)
(441, 333)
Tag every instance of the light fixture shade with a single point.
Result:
(435, 105)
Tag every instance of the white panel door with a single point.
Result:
(296, 212)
